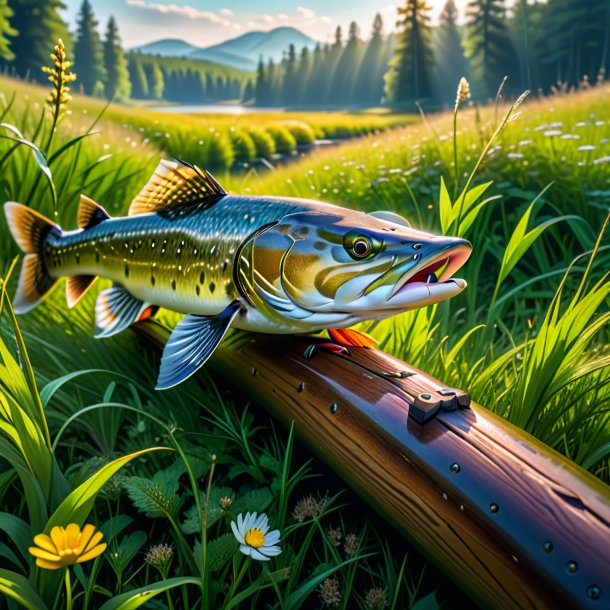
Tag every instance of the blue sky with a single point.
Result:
(206, 22)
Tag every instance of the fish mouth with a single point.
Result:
(436, 271)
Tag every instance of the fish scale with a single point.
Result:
(264, 264)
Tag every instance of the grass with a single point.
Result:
(529, 338)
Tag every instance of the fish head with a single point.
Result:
(368, 266)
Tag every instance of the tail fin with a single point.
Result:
(29, 230)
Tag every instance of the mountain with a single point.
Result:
(169, 47)
(242, 52)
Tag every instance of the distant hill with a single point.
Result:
(242, 52)
(169, 47)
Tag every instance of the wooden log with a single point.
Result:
(512, 522)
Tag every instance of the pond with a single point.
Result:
(215, 109)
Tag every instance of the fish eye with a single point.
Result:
(361, 247)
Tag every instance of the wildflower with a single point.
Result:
(254, 537)
(350, 546)
(160, 557)
(376, 599)
(59, 76)
(334, 536)
(225, 503)
(463, 92)
(586, 147)
(67, 546)
(329, 592)
(551, 133)
(309, 508)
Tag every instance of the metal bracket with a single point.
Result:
(429, 403)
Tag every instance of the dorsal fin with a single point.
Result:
(90, 213)
(175, 183)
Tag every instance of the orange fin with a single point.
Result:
(77, 286)
(351, 338)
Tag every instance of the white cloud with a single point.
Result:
(268, 18)
(326, 19)
(282, 16)
(306, 13)
(226, 12)
(190, 12)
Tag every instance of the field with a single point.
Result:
(529, 339)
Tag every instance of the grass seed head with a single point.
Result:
(329, 593)
(376, 599)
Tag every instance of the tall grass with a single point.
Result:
(529, 339)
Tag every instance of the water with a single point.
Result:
(235, 109)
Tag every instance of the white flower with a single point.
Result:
(254, 537)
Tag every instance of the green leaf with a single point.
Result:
(155, 498)
(20, 589)
(266, 579)
(138, 597)
(53, 386)
(445, 206)
(77, 506)
(220, 550)
(18, 531)
(257, 500)
(191, 524)
(426, 603)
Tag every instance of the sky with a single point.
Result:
(207, 22)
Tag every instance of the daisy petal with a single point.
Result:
(85, 536)
(43, 554)
(91, 553)
(95, 539)
(237, 533)
(44, 542)
(240, 522)
(258, 556)
(245, 549)
(270, 551)
(72, 535)
(272, 538)
(262, 523)
(58, 536)
(48, 565)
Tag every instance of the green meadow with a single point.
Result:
(528, 186)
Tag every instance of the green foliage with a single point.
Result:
(487, 44)
(408, 74)
(117, 86)
(39, 24)
(89, 52)
(6, 31)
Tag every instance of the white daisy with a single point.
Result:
(254, 537)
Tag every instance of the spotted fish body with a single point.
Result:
(263, 264)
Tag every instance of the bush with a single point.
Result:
(285, 142)
(265, 144)
(303, 133)
(244, 147)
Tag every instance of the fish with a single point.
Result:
(261, 264)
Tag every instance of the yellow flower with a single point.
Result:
(67, 546)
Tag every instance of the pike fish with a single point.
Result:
(263, 264)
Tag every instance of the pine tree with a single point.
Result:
(118, 86)
(408, 76)
(289, 84)
(261, 89)
(302, 75)
(347, 67)
(272, 82)
(6, 31)
(369, 87)
(329, 69)
(488, 45)
(39, 25)
(248, 92)
(449, 61)
(154, 77)
(316, 80)
(88, 50)
(137, 77)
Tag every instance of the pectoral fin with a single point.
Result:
(351, 337)
(191, 344)
(116, 310)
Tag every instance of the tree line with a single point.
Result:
(28, 29)
(537, 44)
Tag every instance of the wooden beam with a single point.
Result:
(512, 522)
